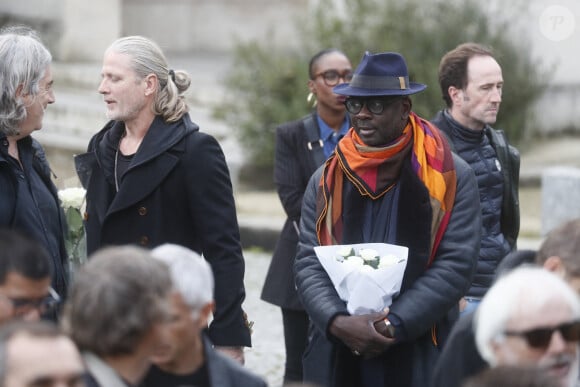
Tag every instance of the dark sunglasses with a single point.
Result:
(541, 337)
(45, 305)
(374, 105)
(331, 77)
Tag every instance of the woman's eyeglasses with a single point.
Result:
(374, 105)
(541, 337)
(332, 77)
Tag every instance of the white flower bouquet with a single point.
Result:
(72, 201)
(367, 275)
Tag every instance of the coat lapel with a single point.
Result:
(92, 179)
(139, 182)
(313, 144)
(102, 372)
(218, 375)
(152, 162)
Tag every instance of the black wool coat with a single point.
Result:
(298, 155)
(177, 189)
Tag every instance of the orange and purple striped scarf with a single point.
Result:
(365, 166)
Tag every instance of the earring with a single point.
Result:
(311, 99)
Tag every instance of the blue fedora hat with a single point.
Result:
(380, 74)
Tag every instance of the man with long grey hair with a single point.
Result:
(531, 317)
(28, 196)
(152, 177)
(186, 356)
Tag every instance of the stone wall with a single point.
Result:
(79, 31)
(212, 26)
(560, 193)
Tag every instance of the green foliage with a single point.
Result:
(268, 84)
(268, 87)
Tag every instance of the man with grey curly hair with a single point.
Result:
(531, 317)
(28, 196)
(153, 177)
(117, 313)
(186, 356)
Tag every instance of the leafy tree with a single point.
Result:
(268, 83)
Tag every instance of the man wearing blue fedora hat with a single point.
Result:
(392, 179)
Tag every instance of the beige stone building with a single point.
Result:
(200, 34)
(80, 30)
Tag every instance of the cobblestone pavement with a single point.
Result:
(266, 357)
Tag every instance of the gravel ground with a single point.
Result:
(266, 357)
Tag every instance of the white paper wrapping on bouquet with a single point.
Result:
(369, 290)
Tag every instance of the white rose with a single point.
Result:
(366, 269)
(343, 252)
(368, 254)
(355, 261)
(72, 197)
(388, 260)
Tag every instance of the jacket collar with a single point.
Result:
(215, 364)
(160, 137)
(29, 146)
(102, 372)
(468, 135)
(27, 142)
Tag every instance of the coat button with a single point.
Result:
(144, 241)
(142, 211)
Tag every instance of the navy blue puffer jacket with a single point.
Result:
(495, 191)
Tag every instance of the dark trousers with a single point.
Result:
(295, 338)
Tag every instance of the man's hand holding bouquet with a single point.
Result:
(366, 276)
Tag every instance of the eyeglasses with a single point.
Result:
(331, 77)
(541, 337)
(44, 305)
(374, 105)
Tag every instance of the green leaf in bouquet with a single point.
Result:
(74, 219)
(68, 243)
(374, 263)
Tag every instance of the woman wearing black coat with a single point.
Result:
(301, 147)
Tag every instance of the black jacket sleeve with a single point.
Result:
(212, 205)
